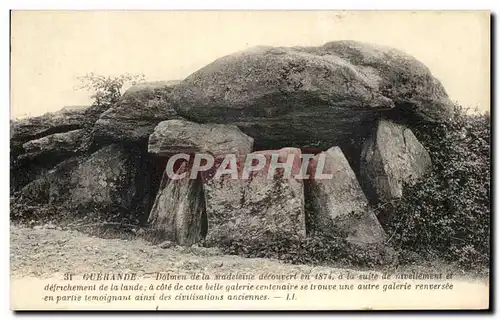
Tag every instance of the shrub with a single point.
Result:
(106, 90)
(447, 214)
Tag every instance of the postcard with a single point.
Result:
(250, 160)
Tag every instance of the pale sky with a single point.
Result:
(50, 49)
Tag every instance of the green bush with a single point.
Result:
(447, 214)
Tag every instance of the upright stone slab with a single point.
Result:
(391, 157)
(178, 209)
(257, 208)
(338, 202)
(178, 213)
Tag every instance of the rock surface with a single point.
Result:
(338, 202)
(391, 157)
(181, 136)
(40, 143)
(60, 145)
(104, 178)
(32, 128)
(178, 210)
(301, 96)
(137, 113)
(66, 119)
(254, 209)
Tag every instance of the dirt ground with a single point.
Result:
(42, 251)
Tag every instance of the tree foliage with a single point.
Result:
(447, 214)
(106, 90)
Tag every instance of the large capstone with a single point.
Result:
(309, 96)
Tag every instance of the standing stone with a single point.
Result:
(390, 158)
(339, 204)
(178, 213)
(178, 210)
(255, 209)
